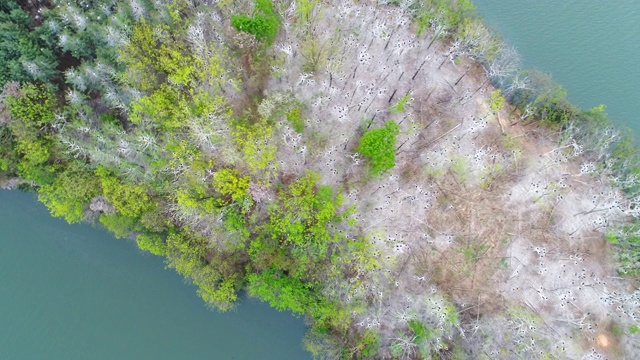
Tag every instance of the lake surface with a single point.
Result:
(74, 292)
(591, 47)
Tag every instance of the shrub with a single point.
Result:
(264, 24)
(152, 243)
(295, 118)
(379, 146)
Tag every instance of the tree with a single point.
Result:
(152, 243)
(129, 200)
(264, 23)
(25, 54)
(70, 192)
(32, 115)
(301, 230)
(280, 290)
(379, 146)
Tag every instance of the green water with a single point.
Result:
(591, 47)
(74, 292)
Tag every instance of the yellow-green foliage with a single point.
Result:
(255, 145)
(152, 243)
(128, 199)
(185, 253)
(304, 9)
(216, 280)
(299, 231)
(195, 200)
(120, 225)
(70, 193)
(162, 108)
(153, 51)
(399, 106)
(379, 146)
(32, 113)
(221, 293)
(496, 101)
(228, 183)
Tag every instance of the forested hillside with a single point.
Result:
(383, 168)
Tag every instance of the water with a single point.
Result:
(589, 46)
(75, 292)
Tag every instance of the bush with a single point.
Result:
(379, 146)
(152, 243)
(264, 24)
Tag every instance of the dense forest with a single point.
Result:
(385, 169)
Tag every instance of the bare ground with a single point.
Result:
(480, 211)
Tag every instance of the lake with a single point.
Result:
(75, 292)
(590, 47)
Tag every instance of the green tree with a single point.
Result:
(25, 54)
(121, 226)
(300, 230)
(231, 185)
(152, 243)
(129, 200)
(216, 278)
(32, 114)
(71, 191)
(264, 23)
(379, 146)
(280, 291)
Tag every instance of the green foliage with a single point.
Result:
(496, 101)
(25, 51)
(280, 290)
(264, 24)
(222, 294)
(304, 212)
(449, 12)
(295, 118)
(161, 108)
(548, 101)
(453, 11)
(634, 329)
(298, 234)
(8, 154)
(368, 344)
(32, 110)
(626, 241)
(120, 225)
(254, 143)
(32, 114)
(422, 336)
(129, 200)
(399, 106)
(152, 243)
(229, 184)
(70, 193)
(186, 253)
(379, 146)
